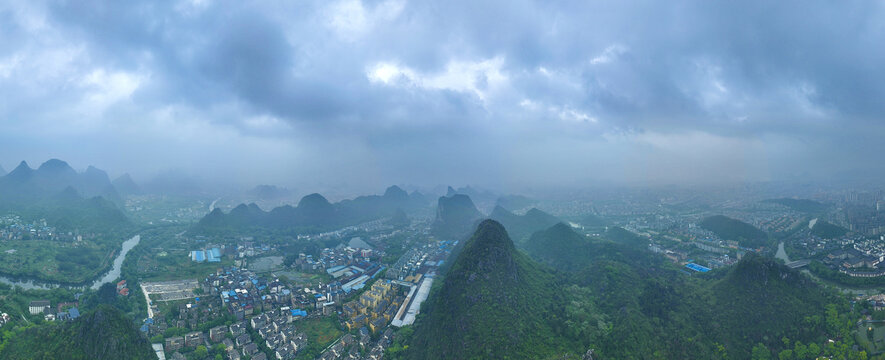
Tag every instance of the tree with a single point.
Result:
(107, 294)
(760, 352)
(785, 355)
(201, 352)
(813, 350)
(289, 260)
(800, 351)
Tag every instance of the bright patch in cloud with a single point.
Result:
(105, 88)
(477, 77)
(610, 54)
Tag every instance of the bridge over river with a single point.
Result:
(782, 254)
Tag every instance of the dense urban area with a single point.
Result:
(232, 281)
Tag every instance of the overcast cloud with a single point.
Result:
(361, 94)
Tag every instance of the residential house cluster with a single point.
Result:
(420, 260)
(375, 307)
(243, 293)
(64, 311)
(13, 228)
(279, 333)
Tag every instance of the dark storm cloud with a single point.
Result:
(496, 92)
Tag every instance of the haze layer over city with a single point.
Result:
(500, 94)
(397, 179)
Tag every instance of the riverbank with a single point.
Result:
(782, 254)
(110, 275)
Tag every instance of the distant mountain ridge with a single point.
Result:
(456, 216)
(521, 227)
(313, 213)
(59, 194)
(126, 186)
(515, 202)
(52, 177)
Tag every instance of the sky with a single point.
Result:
(504, 94)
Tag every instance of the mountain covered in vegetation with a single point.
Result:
(494, 303)
(65, 198)
(617, 300)
(313, 213)
(456, 217)
(827, 230)
(25, 184)
(104, 333)
(515, 202)
(126, 186)
(732, 229)
(520, 227)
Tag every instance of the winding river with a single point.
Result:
(110, 276)
(781, 254)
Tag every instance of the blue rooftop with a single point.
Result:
(697, 267)
(214, 255)
(198, 255)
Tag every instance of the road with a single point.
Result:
(147, 300)
(212, 205)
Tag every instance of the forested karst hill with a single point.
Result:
(520, 227)
(456, 216)
(104, 333)
(732, 229)
(494, 303)
(622, 301)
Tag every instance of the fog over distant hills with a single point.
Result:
(494, 94)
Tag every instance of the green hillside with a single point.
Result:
(494, 303)
(732, 229)
(104, 333)
(827, 230)
(561, 248)
(521, 227)
(564, 249)
(761, 301)
(622, 302)
(624, 236)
